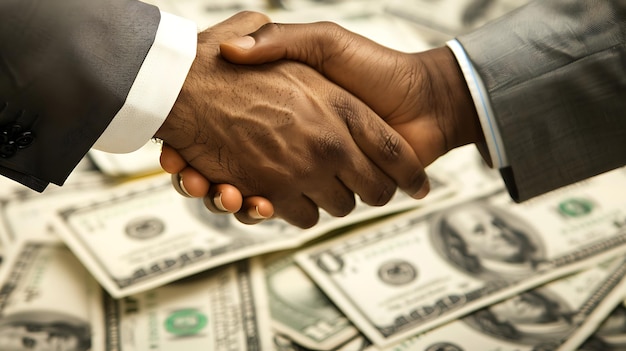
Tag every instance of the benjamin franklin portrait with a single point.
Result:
(611, 335)
(486, 242)
(44, 332)
(532, 318)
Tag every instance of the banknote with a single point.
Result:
(9, 190)
(610, 335)
(48, 301)
(144, 234)
(224, 309)
(602, 316)
(303, 317)
(142, 161)
(283, 342)
(26, 213)
(466, 167)
(418, 270)
(300, 311)
(543, 318)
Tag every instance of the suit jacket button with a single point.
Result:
(8, 150)
(25, 139)
(14, 129)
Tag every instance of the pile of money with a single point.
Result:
(117, 260)
(105, 263)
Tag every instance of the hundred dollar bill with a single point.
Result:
(421, 269)
(599, 315)
(299, 310)
(8, 187)
(544, 318)
(26, 214)
(145, 234)
(48, 301)
(220, 310)
(466, 167)
(282, 342)
(610, 335)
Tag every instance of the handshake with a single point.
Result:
(293, 118)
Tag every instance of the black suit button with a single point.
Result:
(14, 129)
(12, 138)
(8, 150)
(24, 140)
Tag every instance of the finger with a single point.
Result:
(329, 48)
(364, 178)
(190, 183)
(255, 209)
(223, 198)
(352, 168)
(177, 184)
(386, 148)
(299, 211)
(350, 60)
(171, 161)
(344, 58)
(244, 22)
(333, 196)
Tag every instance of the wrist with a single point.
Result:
(451, 99)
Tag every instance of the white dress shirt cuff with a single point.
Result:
(156, 87)
(480, 97)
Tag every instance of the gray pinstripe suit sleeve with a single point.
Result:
(66, 67)
(555, 73)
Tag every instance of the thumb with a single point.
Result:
(319, 45)
(270, 43)
(241, 50)
(354, 62)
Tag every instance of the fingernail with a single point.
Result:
(420, 194)
(217, 201)
(254, 213)
(182, 185)
(245, 42)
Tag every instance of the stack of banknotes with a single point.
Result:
(109, 263)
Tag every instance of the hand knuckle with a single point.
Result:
(392, 147)
(384, 195)
(345, 106)
(343, 206)
(330, 146)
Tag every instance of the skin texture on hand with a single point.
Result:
(422, 95)
(284, 132)
(218, 198)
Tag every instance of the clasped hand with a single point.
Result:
(284, 132)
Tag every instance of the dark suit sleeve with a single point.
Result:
(66, 67)
(555, 74)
